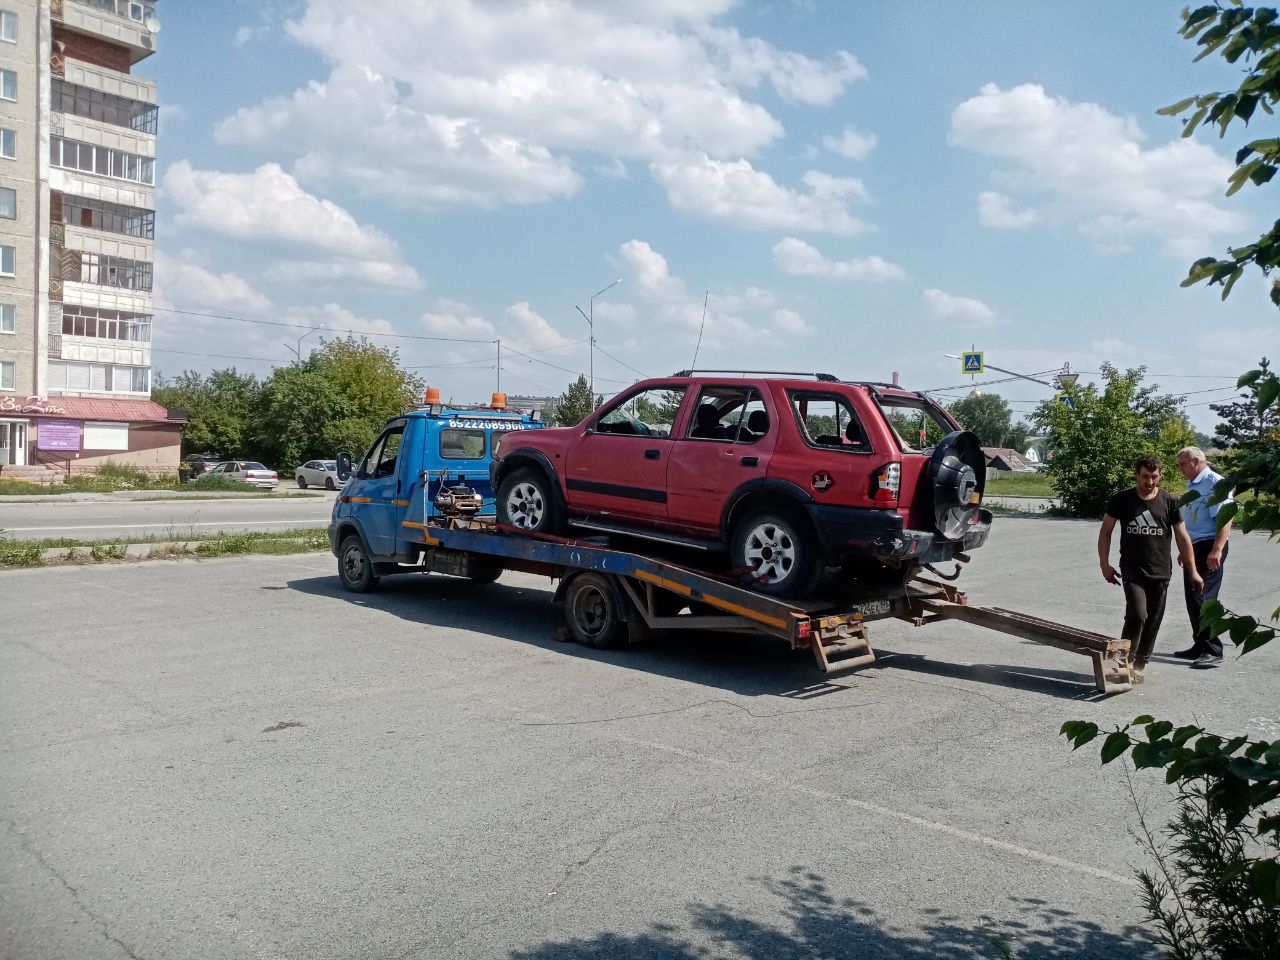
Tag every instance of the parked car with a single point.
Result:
(319, 473)
(250, 471)
(197, 465)
(790, 476)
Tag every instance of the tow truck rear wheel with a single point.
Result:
(355, 569)
(484, 570)
(594, 612)
(526, 502)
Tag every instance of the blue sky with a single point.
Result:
(853, 187)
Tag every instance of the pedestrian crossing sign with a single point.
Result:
(972, 362)
(1065, 400)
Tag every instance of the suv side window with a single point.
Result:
(380, 461)
(729, 415)
(649, 413)
(827, 421)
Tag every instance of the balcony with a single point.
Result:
(128, 23)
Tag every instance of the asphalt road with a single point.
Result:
(36, 519)
(234, 759)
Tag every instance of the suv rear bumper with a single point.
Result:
(845, 532)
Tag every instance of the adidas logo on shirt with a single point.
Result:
(1145, 524)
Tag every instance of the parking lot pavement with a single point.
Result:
(233, 758)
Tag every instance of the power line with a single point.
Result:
(283, 323)
(643, 375)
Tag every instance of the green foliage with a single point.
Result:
(1244, 425)
(20, 553)
(294, 408)
(988, 415)
(909, 426)
(575, 404)
(1252, 36)
(1217, 890)
(217, 481)
(1096, 443)
(663, 413)
(219, 409)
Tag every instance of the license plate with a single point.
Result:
(873, 608)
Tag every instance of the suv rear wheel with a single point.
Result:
(776, 550)
(525, 502)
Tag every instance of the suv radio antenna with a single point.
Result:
(701, 326)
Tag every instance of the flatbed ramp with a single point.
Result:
(613, 596)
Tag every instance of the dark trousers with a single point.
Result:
(1202, 642)
(1143, 610)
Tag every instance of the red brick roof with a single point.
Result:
(93, 408)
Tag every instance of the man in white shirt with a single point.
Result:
(1209, 545)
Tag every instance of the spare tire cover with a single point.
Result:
(959, 471)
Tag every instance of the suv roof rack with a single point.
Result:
(825, 377)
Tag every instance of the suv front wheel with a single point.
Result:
(776, 551)
(526, 502)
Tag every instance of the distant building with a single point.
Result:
(77, 237)
(1007, 459)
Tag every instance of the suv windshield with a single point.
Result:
(917, 425)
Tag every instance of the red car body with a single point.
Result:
(859, 493)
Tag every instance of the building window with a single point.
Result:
(109, 108)
(8, 203)
(98, 377)
(90, 158)
(78, 321)
(8, 143)
(8, 26)
(133, 9)
(8, 318)
(106, 271)
(8, 256)
(8, 85)
(8, 375)
(112, 217)
(106, 436)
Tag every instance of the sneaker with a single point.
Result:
(1136, 675)
(1206, 660)
(1191, 653)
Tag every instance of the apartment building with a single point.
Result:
(77, 236)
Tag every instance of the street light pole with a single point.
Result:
(590, 316)
(297, 351)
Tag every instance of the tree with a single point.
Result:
(987, 415)
(219, 409)
(575, 404)
(296, 407)
(1096, 443)
(1242, 425)
(1217, 890)
(369, 377)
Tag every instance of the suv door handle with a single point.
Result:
(751, 461)
(652, 454)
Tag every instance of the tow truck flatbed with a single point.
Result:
(614, 595)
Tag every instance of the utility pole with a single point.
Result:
(590, 317)
(297, 351)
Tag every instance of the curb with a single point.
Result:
(169, 550)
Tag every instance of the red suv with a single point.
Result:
(790, 473)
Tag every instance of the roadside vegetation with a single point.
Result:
(117, 478)
(1213, 887)
(171, 545)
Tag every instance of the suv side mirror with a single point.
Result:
(344, 467)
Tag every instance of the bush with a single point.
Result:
(213, 481)
(19, 553)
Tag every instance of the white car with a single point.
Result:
(318, 473)
(250, 471)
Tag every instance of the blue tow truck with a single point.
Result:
(420, 502)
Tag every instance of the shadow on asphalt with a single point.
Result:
(816, 923)
(742, 663)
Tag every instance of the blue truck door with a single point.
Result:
(384, 482)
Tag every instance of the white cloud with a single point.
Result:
(451, 319)
(529, 330)
(964, 310)
(184, 283)
(444, 102)
(737, 193)
(852, 144)
(649, 272)
(268, 208)
(1095, 170)
(997, 210)
(797, 258)
(791, 323)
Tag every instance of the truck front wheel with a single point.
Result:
(355, 569)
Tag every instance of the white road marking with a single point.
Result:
(933, 825)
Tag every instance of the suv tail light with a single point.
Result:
(885, 483)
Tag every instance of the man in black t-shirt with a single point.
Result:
(1149, 520)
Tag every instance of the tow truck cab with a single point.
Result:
(427, 461)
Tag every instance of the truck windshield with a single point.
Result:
(462, 444)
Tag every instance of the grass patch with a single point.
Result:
(173, 534)
(29, 553)
(1019, 485)
(214, 481)
(108, 478)
(20, 553)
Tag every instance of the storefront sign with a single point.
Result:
(63, 435)
(28, 405)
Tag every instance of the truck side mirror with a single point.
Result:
(344, 467)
